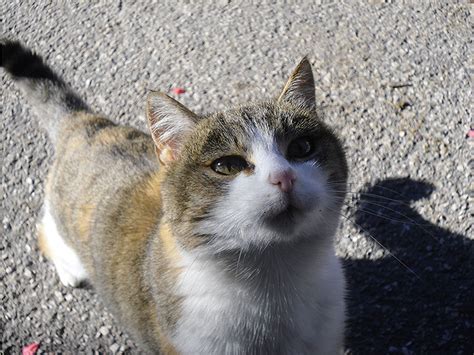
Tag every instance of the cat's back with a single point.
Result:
(98, 165)
(93, 139)
(93, 153)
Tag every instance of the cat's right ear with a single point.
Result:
(169, 123)
(299, 89)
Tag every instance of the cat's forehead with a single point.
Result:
(238, 130)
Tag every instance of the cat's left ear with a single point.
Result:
(299, 89)
(169, 123)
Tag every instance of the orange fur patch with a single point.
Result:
(166, 346)
(42, 243)
(109, 137)
(169, 245)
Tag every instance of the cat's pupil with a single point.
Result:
(300, 148)
(229, 165)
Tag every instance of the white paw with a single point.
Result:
(67, 262)
(67, 278)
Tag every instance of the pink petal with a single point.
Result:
(470, 134)
(30, 349)
(178, 91)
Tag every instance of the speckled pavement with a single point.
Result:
(394, 81)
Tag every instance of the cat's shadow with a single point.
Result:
(390, 309)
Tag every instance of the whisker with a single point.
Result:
(375, 187)
(410, 220)
(372, 195)
(372, 213)
(375, 196)
(238, 261)
(378, 243)
(400, 214)
(188, 269)
(362, 200)
(385, 198)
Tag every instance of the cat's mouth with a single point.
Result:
(285, 217)
(288, 213)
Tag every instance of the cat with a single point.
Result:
(212, 236)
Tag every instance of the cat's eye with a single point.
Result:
(300, 148)
(229, 165)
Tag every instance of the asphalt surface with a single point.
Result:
(392, 79)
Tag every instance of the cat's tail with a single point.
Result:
(51, 99)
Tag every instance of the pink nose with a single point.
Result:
(284, 179)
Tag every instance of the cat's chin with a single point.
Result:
(291, 225)
(284, 220)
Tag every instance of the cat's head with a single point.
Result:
(248, 177)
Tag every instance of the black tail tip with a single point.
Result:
(10, 50)
(21, 62)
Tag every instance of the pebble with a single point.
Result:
(28, 273)
(58, 295)
(114, 348)
(104, 330)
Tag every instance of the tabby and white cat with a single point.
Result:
(212, 236)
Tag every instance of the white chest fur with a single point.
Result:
(296, 312)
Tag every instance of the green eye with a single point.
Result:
(230, 165)
(300, 148)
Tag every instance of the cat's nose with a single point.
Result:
(284, 179)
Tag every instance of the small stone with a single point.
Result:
(68, 297)
(58, 296)
(28, 273)
(104, 330)
(114, 347)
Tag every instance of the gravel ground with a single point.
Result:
(393, 80)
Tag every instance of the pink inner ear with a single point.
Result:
(168, 150)
(166, 155)
(169, 122)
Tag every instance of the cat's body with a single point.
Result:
(181, 251)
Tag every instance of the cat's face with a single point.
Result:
(253, 176)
